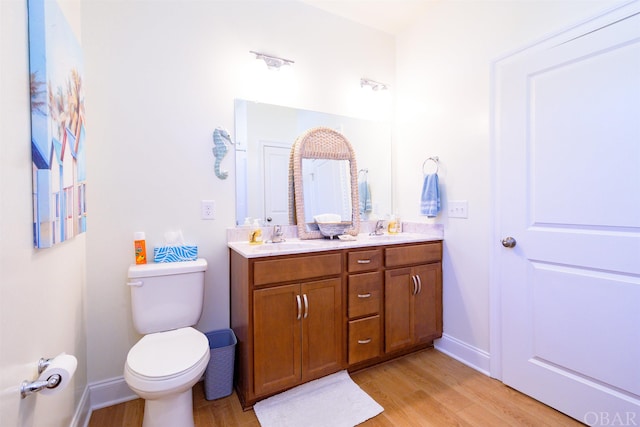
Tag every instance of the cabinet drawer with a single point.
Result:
(414, 254)
(365, 294)
(299, 268)
(364, 339)
(364, 260)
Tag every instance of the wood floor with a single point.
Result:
(426, 388)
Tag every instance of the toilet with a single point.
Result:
(163, 366)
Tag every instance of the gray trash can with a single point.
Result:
(218, 377)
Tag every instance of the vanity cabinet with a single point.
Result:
(287, 315)
(302, 316)
(412, 296)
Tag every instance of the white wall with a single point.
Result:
(160, 77)
(443, 109)
(42, 304)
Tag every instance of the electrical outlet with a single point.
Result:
(208, 209)
(458, 209)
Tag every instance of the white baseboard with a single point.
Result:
(110, 392)
(83, 411)
(465, 353)
(100, 395)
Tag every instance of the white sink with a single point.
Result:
(286, 246)
(384, 237)
(392, 237)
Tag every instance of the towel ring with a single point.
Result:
(435, 160)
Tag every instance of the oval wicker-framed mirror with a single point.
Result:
(322, 143)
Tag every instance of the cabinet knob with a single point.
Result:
(367, 341)
(299, 302)
(364, 261)
(364, 295)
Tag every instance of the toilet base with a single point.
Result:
(171, 411)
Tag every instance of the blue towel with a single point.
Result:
(430, 201)
(364, 191)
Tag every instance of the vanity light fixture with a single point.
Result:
(273, 62)
(375, 86)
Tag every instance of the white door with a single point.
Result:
(568, 193)
(276, 183)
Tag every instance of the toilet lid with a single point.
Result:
(164, 354)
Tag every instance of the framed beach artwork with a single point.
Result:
(57, 126)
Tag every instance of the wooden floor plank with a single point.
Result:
(429, 382)
(424, 389)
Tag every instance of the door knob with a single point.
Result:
(508, 242)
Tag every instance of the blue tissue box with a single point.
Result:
(175, 253)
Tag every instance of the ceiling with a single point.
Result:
(390, 16)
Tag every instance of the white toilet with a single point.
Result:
(166, 300)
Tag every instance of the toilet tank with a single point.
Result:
(166, 296)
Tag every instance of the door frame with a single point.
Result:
(602, 19)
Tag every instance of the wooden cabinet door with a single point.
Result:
(322, 342)
(413, 305)
(398, 295)
(297, 334)
(427, 303)
(276, 338)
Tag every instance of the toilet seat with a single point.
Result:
(162, 356)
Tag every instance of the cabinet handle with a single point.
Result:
(415, 285)
(306, 305)
(419, 283)
(364, 295)
(367, 341)
(299, 306)
(364, 261)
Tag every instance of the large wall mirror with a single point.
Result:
(264, 134)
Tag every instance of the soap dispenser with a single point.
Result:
(394, 226)
(255, 237)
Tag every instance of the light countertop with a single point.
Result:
(297, 246)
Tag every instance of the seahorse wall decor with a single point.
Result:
(221, 143)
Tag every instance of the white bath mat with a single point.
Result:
(332, 401)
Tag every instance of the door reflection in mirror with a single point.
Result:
(264, 134)
(327, 188)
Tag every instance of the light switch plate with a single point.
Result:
(458, 209)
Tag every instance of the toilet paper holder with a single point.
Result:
(29, 387)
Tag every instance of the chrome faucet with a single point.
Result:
(276, 236)
(379, 228)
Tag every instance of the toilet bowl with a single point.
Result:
(162, 368)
